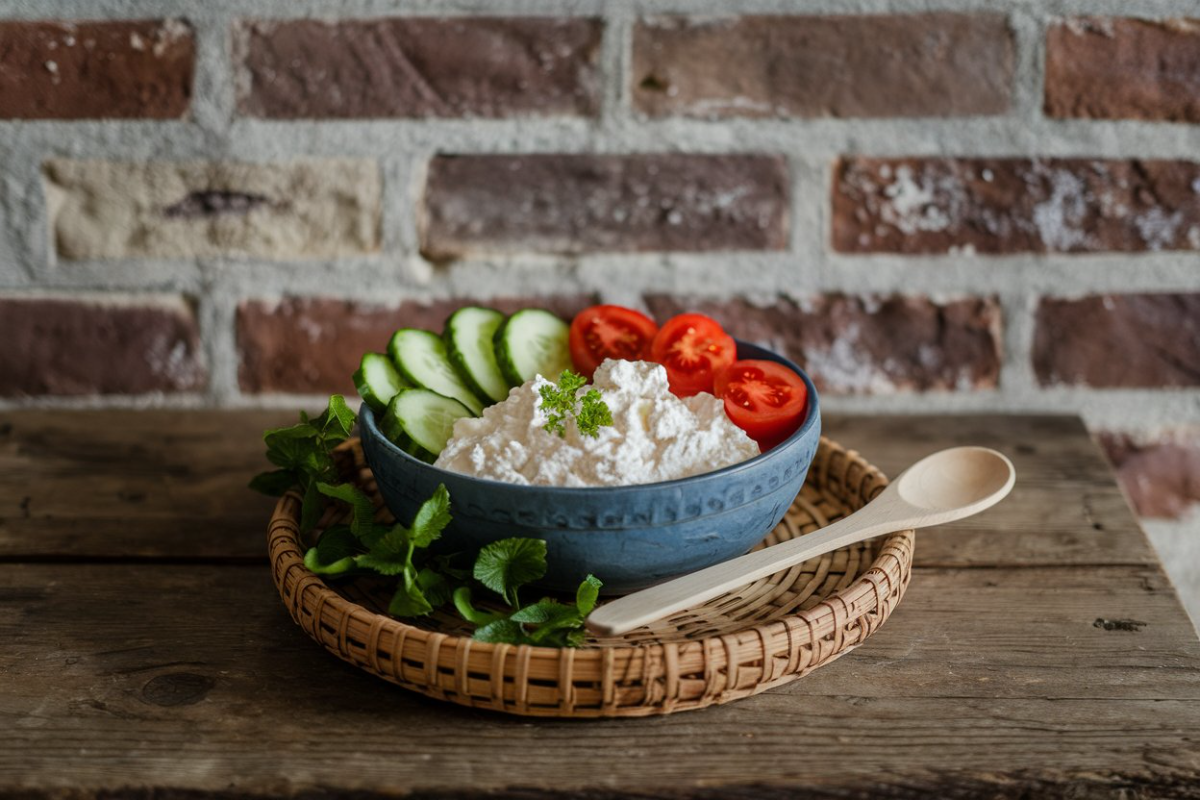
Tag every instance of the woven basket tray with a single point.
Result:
(767, 634)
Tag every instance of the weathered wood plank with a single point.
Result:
(171, 484)
(1064, 509)
(194, 678)
(141, 484)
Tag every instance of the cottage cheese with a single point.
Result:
(655, 436)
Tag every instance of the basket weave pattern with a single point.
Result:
(766, 634)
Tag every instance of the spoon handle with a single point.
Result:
(637, 609)
(946, 486)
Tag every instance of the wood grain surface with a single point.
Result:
(1040, 651)
(171, 485)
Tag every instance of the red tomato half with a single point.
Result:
(765, 399)
(693, 348)
(602, 332)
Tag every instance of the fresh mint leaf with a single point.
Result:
(552, 620)
(291, 447)
(501, 631)
(462, 601)
(390, 550)
(431, 518)
(390, 554)
(587, 594)
(312, 560)
(292, 453)
(336, 543)
(436, 587)
(559, 636)
(334, 553)
(507, 565)
(311, 508)
(301, 430)
(445, 565)
(339, 419)
(409, 600)
(544, 611)
(361, 506)
(274, 483)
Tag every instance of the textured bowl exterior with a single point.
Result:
(628, 536)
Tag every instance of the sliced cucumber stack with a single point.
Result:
(378, 381)
(421, 358)
(468, 335)
(420, 422)
(532, 342)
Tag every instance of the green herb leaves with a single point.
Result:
(509, 564)
(559, 401)
(304, 454)
(504, 567)
(594, 414)
(562, 401)
(432, 517)
(334, 553)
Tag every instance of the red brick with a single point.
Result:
(866, 344)
(81, 346)
(419, 67)
(1119, 341)
(1113, 68)
(96, 70)
(313, 345)
(1010, 205)
(914, 65)
(558, 203)
(1160, 474)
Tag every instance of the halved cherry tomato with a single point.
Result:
(693, 348)
(765, 399)
(602, 332)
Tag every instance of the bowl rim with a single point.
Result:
(369, 429)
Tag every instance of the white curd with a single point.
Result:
(655, 436)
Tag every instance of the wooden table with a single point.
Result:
(1040, 651)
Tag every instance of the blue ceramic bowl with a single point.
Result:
(628, 536)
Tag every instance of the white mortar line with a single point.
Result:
(350, 9)
(213, 86)
(1029, 66)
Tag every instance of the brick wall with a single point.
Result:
(985, 206)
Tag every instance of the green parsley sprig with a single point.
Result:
(304, 455)
(562, 401)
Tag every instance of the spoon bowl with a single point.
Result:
(946, 486)
(956, 479)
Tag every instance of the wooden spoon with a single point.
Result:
(944, 487)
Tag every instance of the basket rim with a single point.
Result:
(287, 556)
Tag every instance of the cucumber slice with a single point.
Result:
(390, 427)
(469, 333)
(532, 342)
(420, 421)
(422, 359)
(378, 381)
